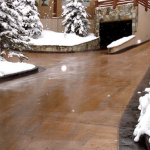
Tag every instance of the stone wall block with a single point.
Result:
(91, 45)
(134, 15)
(117, 11)
(134, 20)
(133, 24)
(122, 12)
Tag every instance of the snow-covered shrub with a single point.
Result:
(18, 55)
(12, 34)
(30, 18)
(75, 18)
(143, 126)
(18, 21)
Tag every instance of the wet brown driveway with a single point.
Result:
(78, 109)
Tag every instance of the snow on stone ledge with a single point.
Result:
(120, 41)
(7, 68)
(60, 39)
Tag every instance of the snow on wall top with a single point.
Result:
(120, 41)
(54, 38)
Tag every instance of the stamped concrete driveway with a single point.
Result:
(74, 109)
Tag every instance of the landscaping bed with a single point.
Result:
(51, 41)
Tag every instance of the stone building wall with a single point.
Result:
(122, 12)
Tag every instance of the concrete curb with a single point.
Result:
(128, 48)
(30, 51)
(130, 119)
(18, 74)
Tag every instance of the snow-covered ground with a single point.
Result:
(55, 38)
(143, 126)
(7, 68)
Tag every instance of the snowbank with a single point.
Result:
(143, 126)
(54, 38)
(7, 68)
(120, 41)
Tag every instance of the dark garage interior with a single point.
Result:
(112, 31)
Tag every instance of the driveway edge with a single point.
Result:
(130, 119)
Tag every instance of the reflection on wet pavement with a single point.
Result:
(74, 104)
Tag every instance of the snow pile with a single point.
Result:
(143, 126)
(7, 68)
(2, 59)
(54, 38)
(120, 41)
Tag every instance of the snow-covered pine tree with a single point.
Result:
(31, 20)
(75, 18)
(12, 34)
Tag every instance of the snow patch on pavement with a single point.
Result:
(55, 38)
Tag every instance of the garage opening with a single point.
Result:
(112, 31)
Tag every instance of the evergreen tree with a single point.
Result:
(75, 18)
(31, 21)
(12, 34)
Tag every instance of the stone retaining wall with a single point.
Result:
(122, 12)
(91, 45)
